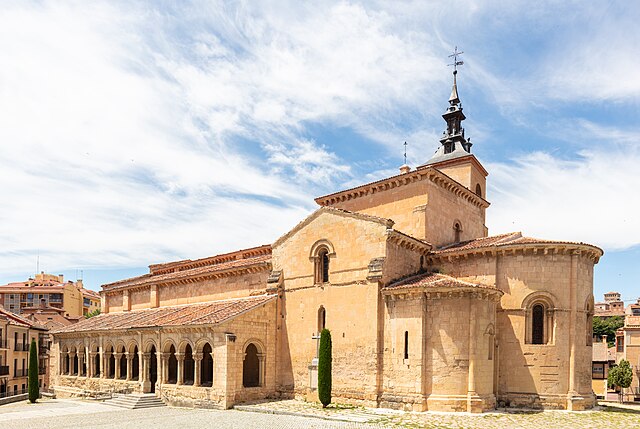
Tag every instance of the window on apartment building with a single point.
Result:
(620, 344)
(597, 371)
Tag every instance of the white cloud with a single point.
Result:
(592, 198)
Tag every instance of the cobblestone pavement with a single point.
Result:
(609, 416)
(296, 414)
(82, 414)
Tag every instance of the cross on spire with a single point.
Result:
(456, 63)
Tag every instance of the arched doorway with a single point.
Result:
(75, 362)
(123, 365)
(135, 364)
(206, 366)
(153, 368)
(96, 364)
(251, 367)
(188, 373)
(172, 370)
(112, 364)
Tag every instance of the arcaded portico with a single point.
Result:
(187, 363)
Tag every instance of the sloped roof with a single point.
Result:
(262, 260)
(14, 319)
(208, 313)
(433, 280)
(336, 211)
(504, 240)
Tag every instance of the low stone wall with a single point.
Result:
(14, 398)
(68, 386)
(547, 402)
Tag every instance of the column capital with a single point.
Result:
(198, 356)
(117, 355)
(180, 356)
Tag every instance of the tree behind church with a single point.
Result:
(621, 376)
(34, 389)
(324, 368)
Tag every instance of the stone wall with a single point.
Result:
(537, 375)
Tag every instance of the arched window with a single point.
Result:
(322, 319)
(135, 364)
(539, 318)
(478, 190)
(188, 366)
(206, 366)
(323, 260)
(172, 370)
(251, 367)
(65, 370)
(457, 231)
(537, 324)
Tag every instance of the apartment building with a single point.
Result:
(49, 290)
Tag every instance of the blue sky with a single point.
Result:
(140, 132)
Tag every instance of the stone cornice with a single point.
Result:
(479, 293)
(543, 248)
(426, 173)
(408, 242)
(256, 268)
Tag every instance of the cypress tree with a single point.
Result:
(324, 368)
(34, 389)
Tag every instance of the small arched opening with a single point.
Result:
(75, 362)
(206, 368)
(123, 365)
(478, 190)
(112, 364)
(135, 364)
(251, 367)
(172, 366)
(96, 365)
(188, 373)
(457, 232)
(322, 319)
(537, 324)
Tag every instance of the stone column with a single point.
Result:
(104, 369)
(197, 359)
(72, 355)
(81, 363)
(144, 374)
(164, 367)
(180, 358)
(472, 396)
(261, 361)
(573, 286)
(129, 357)
(91, 364)
(117, 356)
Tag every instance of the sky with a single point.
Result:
(136, 132)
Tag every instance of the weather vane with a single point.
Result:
(405, 153)
(456, 63)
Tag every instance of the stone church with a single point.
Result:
(427, 311)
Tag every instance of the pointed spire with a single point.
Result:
(453, 99)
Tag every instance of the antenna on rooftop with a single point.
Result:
(37, 263)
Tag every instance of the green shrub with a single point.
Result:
(324, 368)
(34, 389)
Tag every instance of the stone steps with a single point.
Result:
(135, 401)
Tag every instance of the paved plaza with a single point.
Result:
(294, 414)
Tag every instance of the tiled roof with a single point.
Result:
(190, 273)
(191, 314)
(512, 238)
(14, 319)
(433, 280)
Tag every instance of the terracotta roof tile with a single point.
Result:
(512, 238)
(433, 280)
(193, 272)
(190, 314)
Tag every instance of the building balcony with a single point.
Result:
(4, 370)
(21, 372)
(4, 344)
(18, 347)
(42, 370)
